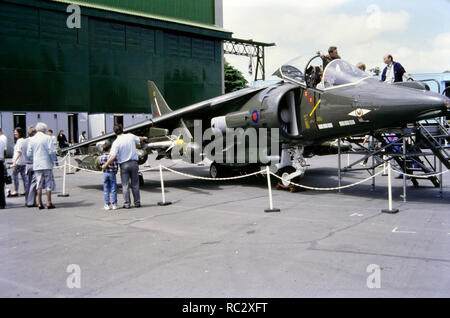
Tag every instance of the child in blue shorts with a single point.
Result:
(109, 179)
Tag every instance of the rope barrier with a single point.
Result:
(213, 179)
(264, 172)
(423, 176)
(268, 173)
(239, 177)
(328, 189)
(98, 172)
(83, 169)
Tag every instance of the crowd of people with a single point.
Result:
(35, 157)
(393, 71)
(33, 160)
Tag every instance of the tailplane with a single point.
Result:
(158, 105)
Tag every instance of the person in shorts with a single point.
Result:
(40, 148)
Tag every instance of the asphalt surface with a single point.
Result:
(215, 240)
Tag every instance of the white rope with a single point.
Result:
(149, 169)
(262, 172)
(243, 176)
(213, 179)
(423, 176)
(98, 172)
(83, 169)
(328, 189)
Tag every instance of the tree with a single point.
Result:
(234, 80)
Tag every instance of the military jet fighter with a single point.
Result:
(309, 112)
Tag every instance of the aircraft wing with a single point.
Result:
(164, 119)
(143, 125)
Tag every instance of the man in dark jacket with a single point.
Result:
(394, 71)
(332, 55)
(62, 140)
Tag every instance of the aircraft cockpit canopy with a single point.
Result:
(341, 72)
(338, 72)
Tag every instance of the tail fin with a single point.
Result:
(158, 105)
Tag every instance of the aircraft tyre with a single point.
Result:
(284, 173)
(216, 170)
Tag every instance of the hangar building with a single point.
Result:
(89, 78)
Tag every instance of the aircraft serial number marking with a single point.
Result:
(347, 123)
(325, 126)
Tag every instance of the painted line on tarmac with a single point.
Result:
(405, 232)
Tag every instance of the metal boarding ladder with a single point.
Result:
(436, 140)
(413, 159)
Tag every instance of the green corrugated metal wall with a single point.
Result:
(201, 11)
(102, 67)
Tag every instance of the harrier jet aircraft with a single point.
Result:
(309, 111)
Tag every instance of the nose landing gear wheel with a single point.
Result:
(286, 184)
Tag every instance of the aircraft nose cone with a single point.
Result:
(447, 104)
(431, 105)
(414, 105)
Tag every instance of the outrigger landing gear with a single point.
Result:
(214, 170)
(217, 170)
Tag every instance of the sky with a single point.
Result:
(415, 32)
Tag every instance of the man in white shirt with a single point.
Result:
(40, 148)
(390, 73)
(394, 71)
(2, 169)
(83, 138)
(124, 150)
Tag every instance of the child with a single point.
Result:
(109, 179)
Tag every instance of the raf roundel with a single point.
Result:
(255, 116)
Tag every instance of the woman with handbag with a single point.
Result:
(19, 162)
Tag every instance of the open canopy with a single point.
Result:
(338, 72)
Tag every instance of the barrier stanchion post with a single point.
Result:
(163, 202)
(390, 209)
(64, 194)
(373, 167)
(70, 165)
(339, 166)
(269, 186)
(441, 179)
(405, 170)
